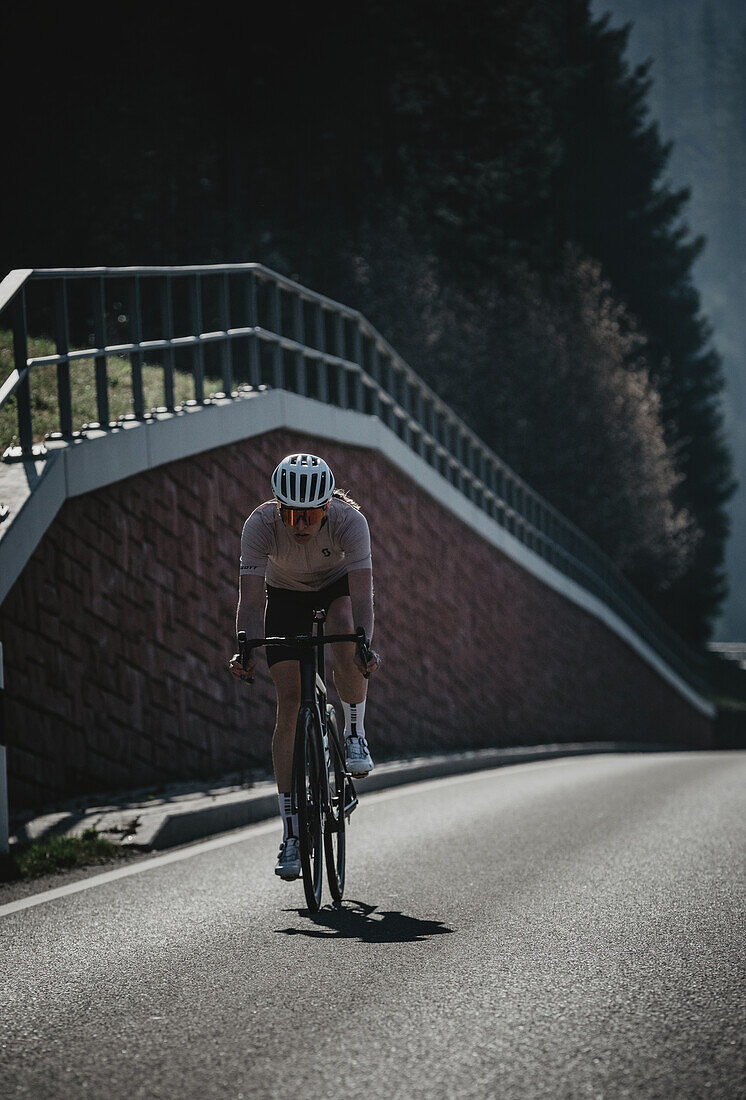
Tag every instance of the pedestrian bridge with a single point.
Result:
(500, 621)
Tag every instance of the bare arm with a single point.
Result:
(249, 617)
(250, 609)
(361, 596)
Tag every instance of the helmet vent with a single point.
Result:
(312, 486)
(292, 480)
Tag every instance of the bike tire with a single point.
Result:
(335, 834)
(307, 788)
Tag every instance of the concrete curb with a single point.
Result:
(153, 825)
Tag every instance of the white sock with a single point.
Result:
(354, 719)
(289, 819)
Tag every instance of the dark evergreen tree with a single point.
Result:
(611, 197)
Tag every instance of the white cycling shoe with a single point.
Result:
(288, 860)
(358, 760)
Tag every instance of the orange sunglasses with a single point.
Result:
(290, 516)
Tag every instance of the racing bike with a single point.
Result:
(323, 791)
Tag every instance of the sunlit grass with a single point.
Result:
(44, 407)
(56, 853)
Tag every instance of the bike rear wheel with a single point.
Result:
(335, 836)
(308, 791)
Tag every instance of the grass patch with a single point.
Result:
(44, 408)
(56, 853)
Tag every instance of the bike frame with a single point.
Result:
(313, 682)
(317, 832)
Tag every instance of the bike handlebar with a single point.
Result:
(360, 638)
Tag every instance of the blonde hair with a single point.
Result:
(342, 494)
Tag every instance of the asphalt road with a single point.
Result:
(570, 928)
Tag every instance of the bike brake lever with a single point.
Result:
(362, 648)
(244, 653)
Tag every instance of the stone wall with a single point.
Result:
(117, 633)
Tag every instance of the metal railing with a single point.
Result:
(260, 329)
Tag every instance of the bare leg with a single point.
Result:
(286, 677)
(348, 679)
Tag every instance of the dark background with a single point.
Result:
(483, 180)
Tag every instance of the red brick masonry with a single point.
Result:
(117, 634)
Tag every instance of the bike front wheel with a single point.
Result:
(335, 837)
(308, 792)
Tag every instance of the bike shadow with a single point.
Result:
(356, 920)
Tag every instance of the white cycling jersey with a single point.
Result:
(269, 549)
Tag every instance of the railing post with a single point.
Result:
(540, 521)
(62, 340)
(138, 397)
(453, 449)
(167, 326)
(20, 357)
(426, 418)
(496, 484)
(419, 416)
(358, 388)
(445, 442)
(434, 429)
(539, 524)
(198, 356)
(375, 373)
(490, 494)
(99, 331)
(4, 813)
(549, 539)
(322, 372)
(339, 348)
(523, 515)
(482, 460)
(226, 349)
(275, 320)
(464, 484)
(255, 372)
(301, 380)
(451, 433)
(406, 404)
(508, 497)
(390, 388)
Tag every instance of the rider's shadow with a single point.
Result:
(354, 920)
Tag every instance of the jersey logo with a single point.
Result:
(326, 551)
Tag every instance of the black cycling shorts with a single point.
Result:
(291, 612)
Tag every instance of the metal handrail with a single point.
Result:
(352, 359)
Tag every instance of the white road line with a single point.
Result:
(137, 868)
(237, 838)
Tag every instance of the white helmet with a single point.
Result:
(303, 481)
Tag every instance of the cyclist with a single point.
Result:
(306, 549)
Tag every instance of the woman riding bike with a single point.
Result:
(308, 548)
